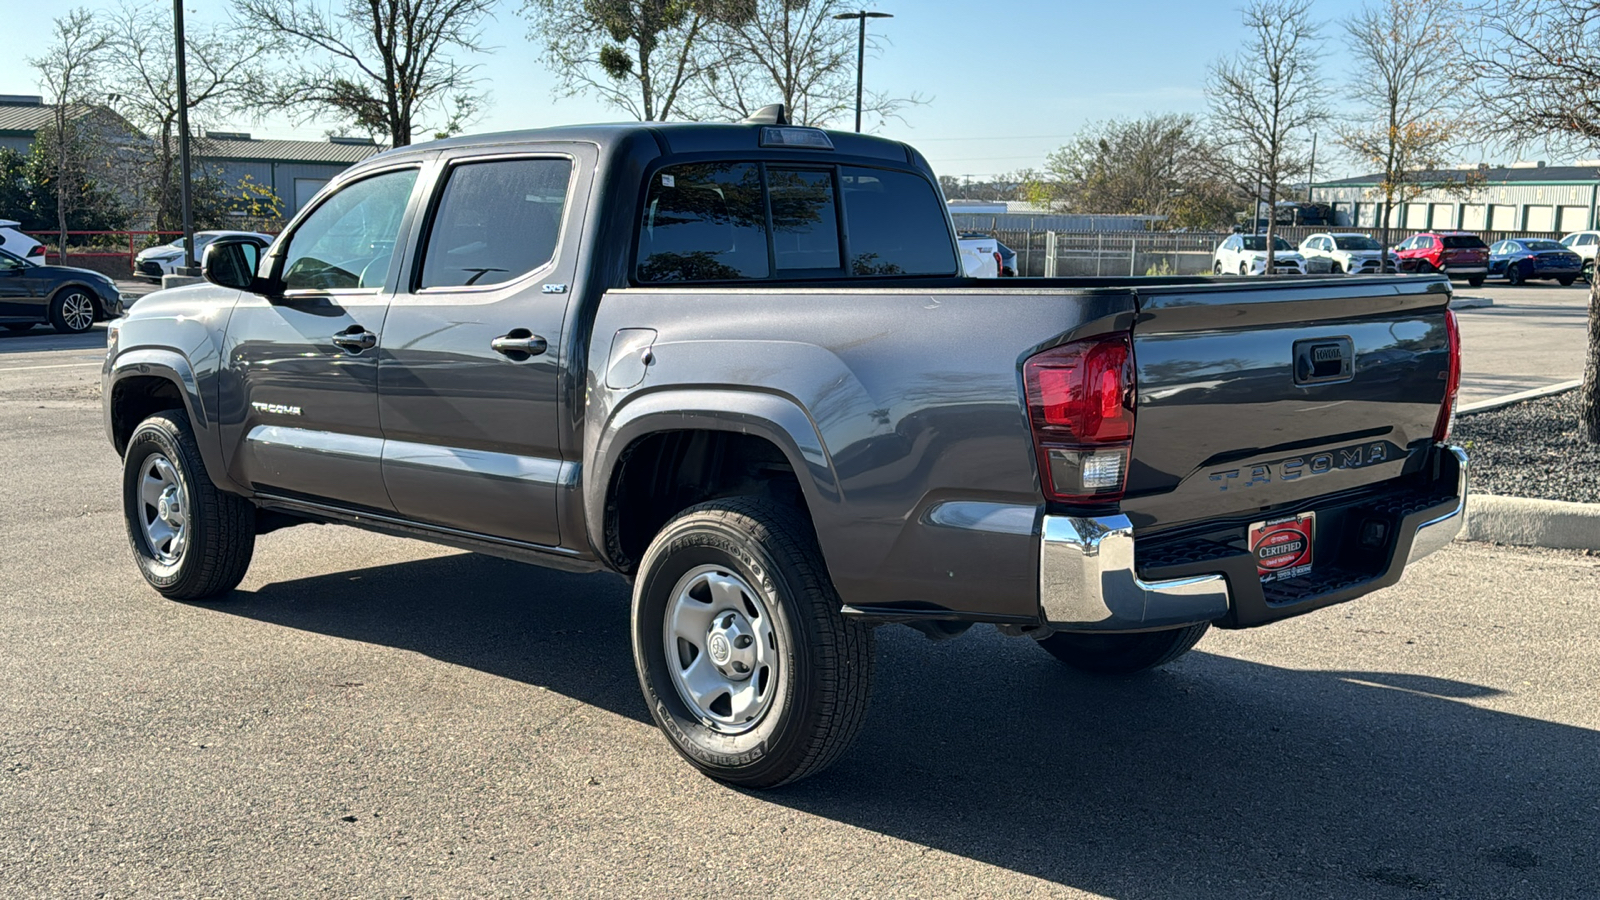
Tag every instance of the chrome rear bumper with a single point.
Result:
(1088, 581)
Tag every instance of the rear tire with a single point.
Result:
(1514, 274)
(1244, 269)
(740, 582)
(1475, 281)
(1336, 269)
(1123, 654)
(190, 540)
(1566, 280)
(72, 310)
(1216, 268)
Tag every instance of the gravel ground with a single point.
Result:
(1532, 449)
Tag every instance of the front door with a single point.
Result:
(470, 383)
(300, 389)
(17, 290)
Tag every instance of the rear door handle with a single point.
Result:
(356, 339)
(519, 343)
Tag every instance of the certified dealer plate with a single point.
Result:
(1282, 547)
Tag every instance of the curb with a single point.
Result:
(1470, 302)
(1520, 396)
(1552, 524)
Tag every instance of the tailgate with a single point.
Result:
(1253, 400)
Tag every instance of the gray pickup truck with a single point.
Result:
(738, 365)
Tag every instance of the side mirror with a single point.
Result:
(231, 262)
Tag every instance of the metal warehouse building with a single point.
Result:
(1523, 197)
(295, 170)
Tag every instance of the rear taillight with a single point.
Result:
(998, 268)
(38, 250)
(1452, 380)
(1080, 404)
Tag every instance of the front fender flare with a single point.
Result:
(174, 367)
(776, 418)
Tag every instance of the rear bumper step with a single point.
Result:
(1095, 576)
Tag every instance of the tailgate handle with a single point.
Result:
(1324, 360)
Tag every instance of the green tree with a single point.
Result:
(1159, 165)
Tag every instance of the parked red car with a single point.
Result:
(1459, 254)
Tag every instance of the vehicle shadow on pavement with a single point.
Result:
(566, 632)
(1216, 777)
(42, 338)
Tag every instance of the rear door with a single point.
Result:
(17, 289)
(471, 380)
(300, 384)
(1255, 399)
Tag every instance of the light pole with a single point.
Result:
(183, 138)
(861, 50)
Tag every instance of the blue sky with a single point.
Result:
(1009, 80)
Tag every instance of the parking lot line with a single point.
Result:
(59, 366)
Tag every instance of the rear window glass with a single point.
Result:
(704, 222)
(895, 223)
(497, 221)
(1462, 241)
(1542, 245)
(805, 221)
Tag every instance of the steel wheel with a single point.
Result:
(721, 650)
(163, 510)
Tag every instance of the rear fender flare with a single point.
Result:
(778, 419)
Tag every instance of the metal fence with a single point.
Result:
(1065, 254)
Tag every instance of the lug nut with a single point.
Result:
(743, 641)
(740, 667)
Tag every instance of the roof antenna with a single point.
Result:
(771, 114)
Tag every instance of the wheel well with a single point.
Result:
(135, 399)
(662, 474)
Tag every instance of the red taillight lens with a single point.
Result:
(1080, 404)
(998, 268)
(1452, 380)
(38, 250)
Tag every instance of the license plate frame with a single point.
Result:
(1283, 547)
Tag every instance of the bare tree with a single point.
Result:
(1537, 66)
(383, 64)
(1159, 165)
(641, 56)
(70, 71)
(226, 72)
(1406, 119)
(1265, 101)
(793, 51)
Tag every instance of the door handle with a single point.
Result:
(356, 339)
(519, 343)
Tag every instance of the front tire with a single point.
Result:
(1514, 274)
(1216, 268)
(72, 311)
(190, 540)
(1337, 269)
(1123, 654)
(747, 665)
(1244, 269)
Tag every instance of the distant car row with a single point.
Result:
(1458, 254)
(166, 259)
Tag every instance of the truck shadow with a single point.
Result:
(1215, 777)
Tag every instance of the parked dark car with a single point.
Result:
(1526, 258)
(70, 299)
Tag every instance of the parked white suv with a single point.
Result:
(154, 262)
(1344, 254)
(1585, 244)
(20, 245)
(1246, 254)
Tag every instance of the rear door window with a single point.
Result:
(496, 222)
(704, 222)
(895, 224)
(805, 221)
(1463, 241)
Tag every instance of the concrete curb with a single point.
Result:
(1459, 303)
(1553, 524)
(1520, 396)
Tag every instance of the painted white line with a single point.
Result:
(1507, 400)
(36, 368)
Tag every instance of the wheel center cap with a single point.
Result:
(720, 649)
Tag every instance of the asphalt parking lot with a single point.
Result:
(370, 717)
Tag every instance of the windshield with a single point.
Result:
(1542, 245)
(1459, 241)
(1356, 242)
(1259, 243)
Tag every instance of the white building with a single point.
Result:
(1523, 197)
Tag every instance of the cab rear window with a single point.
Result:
(740, 221)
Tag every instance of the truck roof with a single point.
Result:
(674, 138)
